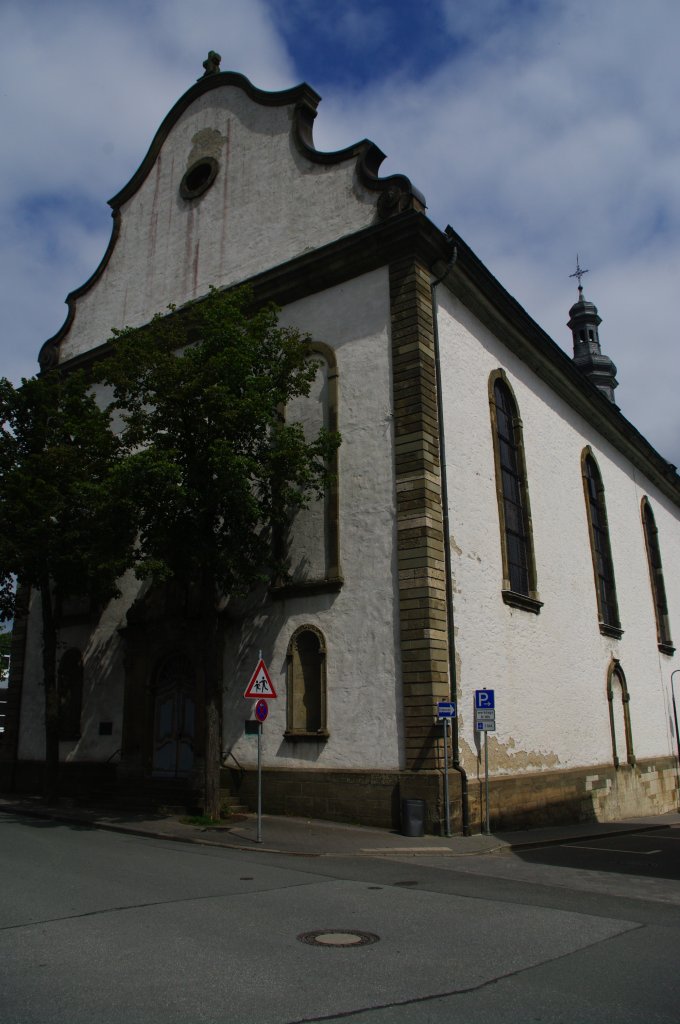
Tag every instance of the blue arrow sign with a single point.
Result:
(446, 709)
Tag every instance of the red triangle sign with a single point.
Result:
(260, 684)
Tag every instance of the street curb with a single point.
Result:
(130, 830)
(440, 851)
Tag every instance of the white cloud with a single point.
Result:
(84, 87)
(538, 129)
(553, 132)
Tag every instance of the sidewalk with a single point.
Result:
(312, 838)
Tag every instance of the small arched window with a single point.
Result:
(306, 685)
(619, 715)
(598, 528)
(663, 630)
(70, 694)
(517, 549)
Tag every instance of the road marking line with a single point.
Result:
(611, 849)
(406, 849)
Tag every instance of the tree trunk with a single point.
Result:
(212, 682)
(51, 776)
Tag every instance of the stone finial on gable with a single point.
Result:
(212, 64)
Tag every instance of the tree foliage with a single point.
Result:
(214, 469)
(5, 644)
(200, 478)
(60, 532)
(58, 461)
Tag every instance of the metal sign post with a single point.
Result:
(485, 721)
(445, 711)
(261, 712)
(487, 826)
(447, 816)
(260, 686)
(258, 838)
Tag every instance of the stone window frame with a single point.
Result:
(70, 694)
(294, 732)
(615, 670)
(600, 547)
(282, 589)
(192, 190)
(529, 601)
(651, 532)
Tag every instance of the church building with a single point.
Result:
(495, 522)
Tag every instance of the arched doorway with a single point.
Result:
(174, 719)
(619, 715)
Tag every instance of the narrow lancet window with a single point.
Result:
(519, 569)
(663, 630)
(70, 694)
(603, 566)
(619, 715)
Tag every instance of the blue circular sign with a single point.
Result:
(261, 710)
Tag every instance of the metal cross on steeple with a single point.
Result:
(579, 272)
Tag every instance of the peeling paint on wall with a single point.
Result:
(505, 757)
(468, 756)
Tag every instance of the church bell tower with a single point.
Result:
(584, 322)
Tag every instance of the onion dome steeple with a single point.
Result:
(583, 322)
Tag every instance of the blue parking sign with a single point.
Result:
(485, 700)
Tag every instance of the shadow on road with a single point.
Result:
(654, 854)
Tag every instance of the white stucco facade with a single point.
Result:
(360, 622)
(549, 670)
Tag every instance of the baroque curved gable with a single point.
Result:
(231, 185)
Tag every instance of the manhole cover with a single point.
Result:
(336, 937)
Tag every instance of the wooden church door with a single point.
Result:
(174, 719)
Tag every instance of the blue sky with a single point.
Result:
(537, 128)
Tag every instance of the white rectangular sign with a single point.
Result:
(485, 715)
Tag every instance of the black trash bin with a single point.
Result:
(413, 817)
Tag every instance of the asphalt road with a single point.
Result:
(99, 926)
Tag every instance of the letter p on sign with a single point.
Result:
(485, 699)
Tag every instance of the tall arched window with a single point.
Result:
(663, 630)
(70, 693)
(598, 527)
(619, 715)
(306, 685)
(519, 567)
(311, 545)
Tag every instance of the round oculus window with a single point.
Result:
(199, 178)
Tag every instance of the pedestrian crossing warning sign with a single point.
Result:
(260, 684)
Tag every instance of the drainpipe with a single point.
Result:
(465, 807)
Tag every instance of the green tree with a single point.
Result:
(216, 471)
(60, 532)
(5, 643)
